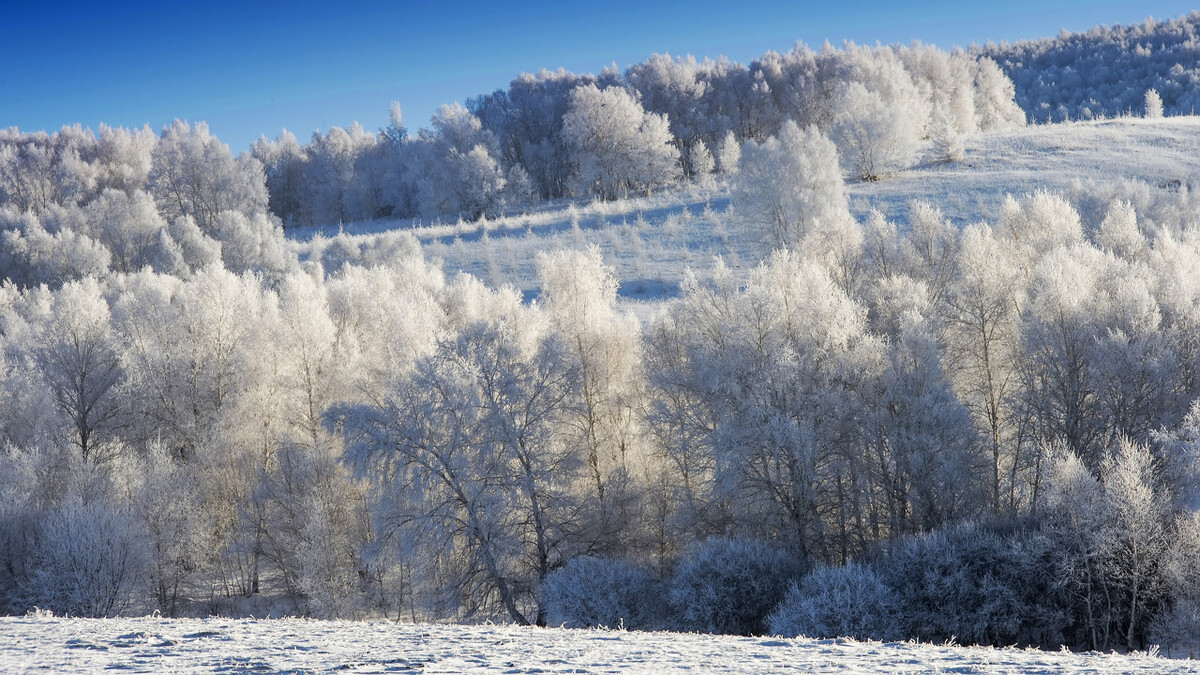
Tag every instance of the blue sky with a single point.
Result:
(249, 68)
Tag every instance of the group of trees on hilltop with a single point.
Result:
(75, 204)
(558, 134)
(1105, 72)
(548, 135)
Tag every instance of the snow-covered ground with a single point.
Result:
(150, 645)
(652, 241)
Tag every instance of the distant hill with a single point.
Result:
(1105, 72)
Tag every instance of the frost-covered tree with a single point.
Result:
(41, 170)
(130, 227)
(332, 184)
(729, 154)
(579, 296)
(942, 78)
(748, 395)
(925, 460)
(1152, 105)
(1077, 511)
(1096, 364)
(125, 158)
(473, 467)
(78, 357)
(617, 147)
(1138, 535)
(461, 174)
(194, 174)
(789, 187)
(994, 105)
(877, 112)
(674, 87)
(874, 136)
(167, 503)
(1178, 628)
(1117, 530)
(255, 243)
(31, 254)
(387, 316)
(527, 119)
(189, 352)
(982, 347)
(314, 511)
(283, 163)
(700, 162)
(946, 140)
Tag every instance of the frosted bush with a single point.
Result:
(90, 561)
(1177, 626)
(849, 601)
(977, 585)
(592, 592)
(17, 524)
(730, 585)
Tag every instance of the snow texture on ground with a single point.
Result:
(151, 645)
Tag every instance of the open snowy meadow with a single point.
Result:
(150, 645)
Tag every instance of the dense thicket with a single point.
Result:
(1105, 72)
(353, 434)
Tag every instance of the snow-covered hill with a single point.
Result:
(652, 241)
(1104, 71)
(150, 645)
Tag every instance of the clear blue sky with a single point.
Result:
(249, 68)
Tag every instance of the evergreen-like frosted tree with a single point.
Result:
(1153, 105)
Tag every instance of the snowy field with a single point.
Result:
(651, 241)
(151, 645)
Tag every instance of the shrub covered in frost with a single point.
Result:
(730, 585)
(976, 584)
(592, 592)
(89, 561)
(849, 601)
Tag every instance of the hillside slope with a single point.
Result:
(653, 241)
